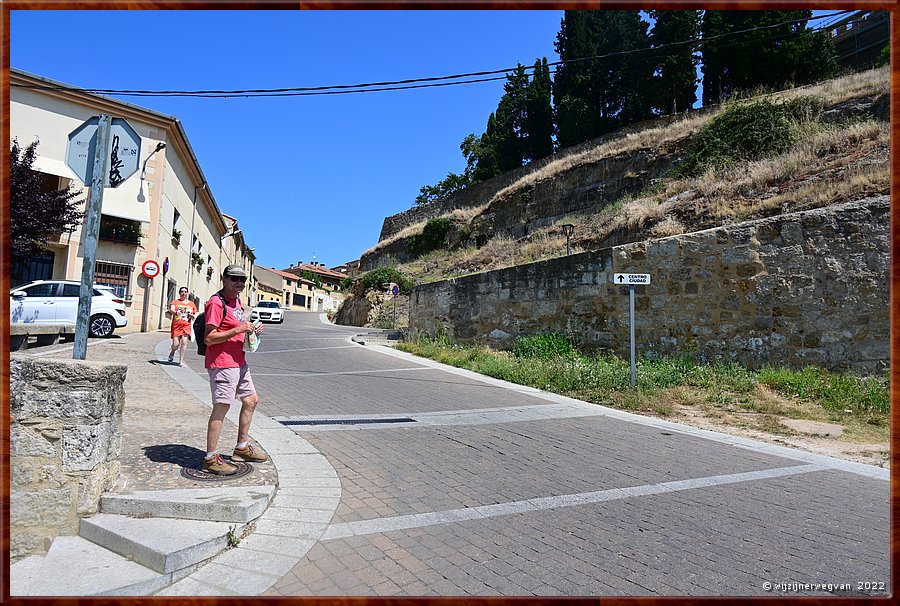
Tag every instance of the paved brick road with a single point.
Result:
(487, 490)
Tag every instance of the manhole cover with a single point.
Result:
(193, 473)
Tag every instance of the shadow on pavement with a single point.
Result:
(178, 454)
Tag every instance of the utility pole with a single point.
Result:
(89, 236)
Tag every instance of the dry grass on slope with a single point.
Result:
(833, 164)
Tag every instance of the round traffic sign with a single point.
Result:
(166, 266)
(150, 268)
(395, 290)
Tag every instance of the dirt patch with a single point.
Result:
(739, 424)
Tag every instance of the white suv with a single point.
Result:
(267, 311)
(56, 302)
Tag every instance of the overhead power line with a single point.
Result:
(415, 83)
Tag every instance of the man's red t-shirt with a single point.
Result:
(229, 354)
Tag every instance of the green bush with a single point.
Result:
(374, 279)
(744, 131)
(543, 346)
(432, 237)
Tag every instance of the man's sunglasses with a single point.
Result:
(234, 279)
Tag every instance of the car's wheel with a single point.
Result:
(102, 326)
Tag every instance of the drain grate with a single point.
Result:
(193, 473)
(348, 421)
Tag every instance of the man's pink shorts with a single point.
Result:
(230, 383)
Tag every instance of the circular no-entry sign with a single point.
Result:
(150, 268)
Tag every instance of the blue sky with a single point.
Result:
(304, 175)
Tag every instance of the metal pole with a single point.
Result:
(568, 250)
(631, 305)
(394, 322)
(89, 236)
(145, 315)
(162, 301)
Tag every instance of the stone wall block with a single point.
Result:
(65, 437)
(36, 441)
(771, 279)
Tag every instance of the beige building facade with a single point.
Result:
(164, 212)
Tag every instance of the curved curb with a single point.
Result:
(308, 493)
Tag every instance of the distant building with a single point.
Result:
(859, 38)
(330, 279)
(165, 211)
(296, 292)
(350, 268)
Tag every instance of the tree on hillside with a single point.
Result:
(538, 113)
(676, 66)
(601, 86)
(775, 50)
(39, 211)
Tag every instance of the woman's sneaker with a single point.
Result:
(218, 466)
(249, 454)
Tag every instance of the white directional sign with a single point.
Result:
(122, 156)
(630, 279)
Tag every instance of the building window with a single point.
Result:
(115, 229)
(115, 275)
(175, 220)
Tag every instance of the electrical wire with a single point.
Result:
(418, 83)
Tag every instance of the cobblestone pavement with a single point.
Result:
(457, 485)
(453, 485)
(163, 425)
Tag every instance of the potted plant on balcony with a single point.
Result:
(176, 237)
(197, 259)
(209, 272)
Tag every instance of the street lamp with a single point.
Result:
(140, 197)
(568, 229)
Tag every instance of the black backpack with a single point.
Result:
(200, 326)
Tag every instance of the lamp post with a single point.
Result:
(233, 258)
(568, 229)
(159, 146)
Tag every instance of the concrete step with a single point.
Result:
(24, 574)
(161, 544)
(239, 504)
(76, 567)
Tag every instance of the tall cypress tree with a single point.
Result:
(598, 95)
(676, 66)
(776, 51)
(539, 113)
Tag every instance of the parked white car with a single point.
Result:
(56, 302)
(267, 311)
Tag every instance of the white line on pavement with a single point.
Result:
(303, 349)
(343, 372)
(379, 525)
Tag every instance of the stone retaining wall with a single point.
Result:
(802, 288)
(65, 440)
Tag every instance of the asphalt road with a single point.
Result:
(456, 485)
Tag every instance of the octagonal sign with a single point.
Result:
(123, 151)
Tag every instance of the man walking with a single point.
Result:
(229, 375)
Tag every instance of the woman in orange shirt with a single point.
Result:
(183, 312)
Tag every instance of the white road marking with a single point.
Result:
(379, 525)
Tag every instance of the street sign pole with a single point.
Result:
(631, 280)
(631, 315)
(89, 235)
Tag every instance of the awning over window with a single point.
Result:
(131, 200)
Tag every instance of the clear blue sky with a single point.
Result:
(304, 175)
